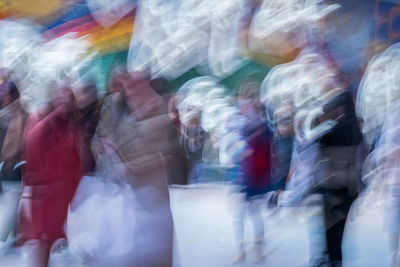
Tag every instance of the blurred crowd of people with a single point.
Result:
(84, 158)
(94, 169)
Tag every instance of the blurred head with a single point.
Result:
(135, 87)
(8, 92)
(116, 85)
(249, 87)
(43, 109)
(62, 96)
(248, 100)
(86, 95)
(284, 120)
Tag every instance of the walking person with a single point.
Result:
(135, 123)
(254, 173)
(50, 178)
(337, 175)
(12, 122)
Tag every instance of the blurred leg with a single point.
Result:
(316, 235)
(9, 213)
(255, 212)
(257, 218)
(239, 206)
(316, 231)
(334, 237)
(36, 253)
(394, 248)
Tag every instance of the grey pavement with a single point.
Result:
(204, 235)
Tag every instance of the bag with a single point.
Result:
(339, 168)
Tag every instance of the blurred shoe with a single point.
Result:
(259, 255)
(87, 260)
(6, 246)
(240, 258)
(59, 246)
(3, 247)
(336, 264)
(394, 261)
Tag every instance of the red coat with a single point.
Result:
(51, 176)
(256, 168)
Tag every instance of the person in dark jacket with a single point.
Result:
(282, 147)
(88, 117)
(12, 122)
(337, 175)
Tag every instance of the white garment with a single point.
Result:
(243, 208)
(101, 220)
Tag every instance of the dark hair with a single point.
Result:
(13, 90)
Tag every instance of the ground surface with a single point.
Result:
(204, 234)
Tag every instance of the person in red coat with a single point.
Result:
(253, 179)
(50, 177)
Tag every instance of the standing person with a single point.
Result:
(134, 121)
(192, 139)
(254, 171)
(12, 121)
(282, 147)
(383, 165)
(50, 177)
(337, 175)
(299, 190)
(178, 171)
(88, 116)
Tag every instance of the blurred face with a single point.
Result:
(116, 85)
(332, 113)
(299, 125)
(173, 112)
(250, 89)
(63, 96)
(284, 121)
(195, 121)
(43, 109)
(6, 99)
(249, 109)
(136, 93)
(86, 96)
(248, 99)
